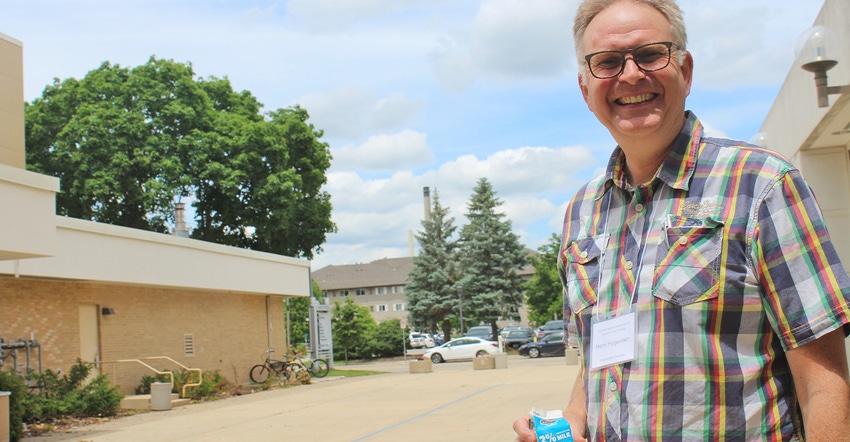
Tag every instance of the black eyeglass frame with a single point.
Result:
(623, 59)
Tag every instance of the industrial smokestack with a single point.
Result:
(426, 194)
(179, 220)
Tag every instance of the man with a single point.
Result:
(709, 301)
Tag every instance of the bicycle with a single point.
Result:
(270, 367)
(316, 367)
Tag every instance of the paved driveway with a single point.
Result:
(452, 403)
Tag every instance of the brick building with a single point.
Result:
(107, 293)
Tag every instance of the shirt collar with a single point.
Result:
(677, 168)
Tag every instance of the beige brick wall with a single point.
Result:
(230, 330)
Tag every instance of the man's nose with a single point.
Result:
(631, 72)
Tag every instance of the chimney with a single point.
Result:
(426, 194)
(179, 220)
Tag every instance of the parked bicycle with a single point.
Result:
(316, 367)
(271, 367)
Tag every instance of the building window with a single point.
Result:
(343, 293)
(382, 307)
(188, 344)
(398, 289)
(398, 307)
(381, 291)
(359, 292)
(371, 309)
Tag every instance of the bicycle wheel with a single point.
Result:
(319, 368)
(259, 373)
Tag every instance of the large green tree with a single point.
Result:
(490, 258)
(431, 293)
(544, 290)
(127, 143)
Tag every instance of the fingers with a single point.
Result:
(522, 427)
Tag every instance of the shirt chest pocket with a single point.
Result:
(687, 265)
(582, 260)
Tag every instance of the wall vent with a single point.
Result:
(188, 344)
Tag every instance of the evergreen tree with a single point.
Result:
(430, 294)
(544, 290)
(490, 258)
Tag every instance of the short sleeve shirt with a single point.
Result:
(726, 259)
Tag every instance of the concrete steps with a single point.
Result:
(143, 402)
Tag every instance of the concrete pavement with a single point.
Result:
(452, 403)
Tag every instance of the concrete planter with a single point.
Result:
(484, 362)
(571, 356)
(501, 360)
(420, 366)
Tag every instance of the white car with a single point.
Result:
(466, 347)
(419, 340)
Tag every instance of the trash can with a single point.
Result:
(160, 396)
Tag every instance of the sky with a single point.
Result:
(419, 93)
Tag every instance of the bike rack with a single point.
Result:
(170, 374)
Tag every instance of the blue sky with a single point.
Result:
(415, 93)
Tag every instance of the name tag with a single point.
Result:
(613, 340)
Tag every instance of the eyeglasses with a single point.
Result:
(650, 57)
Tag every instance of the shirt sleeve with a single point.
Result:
(804, 286)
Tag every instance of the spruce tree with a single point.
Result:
(431, 296)
(490, 258)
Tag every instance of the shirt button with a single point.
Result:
(612, 386)
(683, 240)
(639, 207)
(584, 253)
(629, 265)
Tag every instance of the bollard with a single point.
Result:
(483, 363)
(501, 360)
(420, 366)
(571, 356)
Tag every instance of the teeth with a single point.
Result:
(636, 99)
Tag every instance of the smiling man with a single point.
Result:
(709, 301)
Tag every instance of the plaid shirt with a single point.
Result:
(726, 258)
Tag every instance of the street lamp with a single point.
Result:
(460, 305)
(812, 47)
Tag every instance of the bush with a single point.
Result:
(67, 395)
(212, 383)
(13, 383)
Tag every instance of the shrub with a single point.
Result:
(13, 383)
(69, 395)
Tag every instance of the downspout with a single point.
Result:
(269, 322)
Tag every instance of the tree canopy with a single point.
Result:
(128, 143)
(431, 293)
(543, 292)
(490, 258)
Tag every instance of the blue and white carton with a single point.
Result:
(550, 426)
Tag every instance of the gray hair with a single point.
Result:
(589, 9)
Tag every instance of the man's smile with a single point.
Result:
(636, 99)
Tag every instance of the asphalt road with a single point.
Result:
(452, 403)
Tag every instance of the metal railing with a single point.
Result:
(170, 374)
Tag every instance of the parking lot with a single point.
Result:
(453, 402)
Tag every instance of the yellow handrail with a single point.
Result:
(187, 385)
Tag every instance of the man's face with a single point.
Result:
(636, 105)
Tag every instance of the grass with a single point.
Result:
(353, 373)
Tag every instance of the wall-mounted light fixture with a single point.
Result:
(105, 311)
(812, 53)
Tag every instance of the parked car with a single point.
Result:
(550, 327)
(421, 340)
(480, 331)
(438, 339)
(511, 328)
(516, 338)
(466, 347)
(551, 345)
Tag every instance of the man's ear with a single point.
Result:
(584, 91)
(688, 72)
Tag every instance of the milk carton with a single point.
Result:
(550, 426)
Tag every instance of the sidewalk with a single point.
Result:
(452, 403)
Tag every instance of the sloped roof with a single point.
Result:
(382, 272)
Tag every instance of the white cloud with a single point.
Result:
(351, 112)
(509, 40)
(404, 150)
